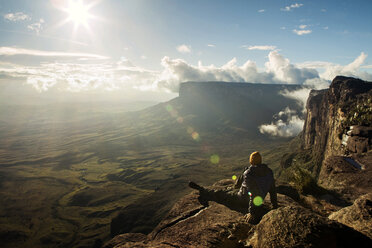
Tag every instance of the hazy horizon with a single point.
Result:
(139, 50)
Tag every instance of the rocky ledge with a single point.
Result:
(198, 222)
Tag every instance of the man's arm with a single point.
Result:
(239, 182)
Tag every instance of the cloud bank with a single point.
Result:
(81, 72)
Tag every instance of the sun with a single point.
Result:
(78, 13)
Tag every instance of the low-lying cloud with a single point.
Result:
(289, 124)
(83, 72)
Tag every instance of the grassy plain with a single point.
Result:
(66, 171)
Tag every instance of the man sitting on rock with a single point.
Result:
(256, 181)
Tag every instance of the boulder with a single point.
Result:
(357, 216)
(298, 227)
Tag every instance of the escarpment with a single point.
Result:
(338, 134)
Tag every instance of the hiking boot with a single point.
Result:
(195, 186)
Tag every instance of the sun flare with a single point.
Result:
(78, 13)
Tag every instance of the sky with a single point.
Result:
(143, 49)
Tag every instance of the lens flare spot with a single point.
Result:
(169, 108)
(195, 136)
(215, 159)
(257, 201)
(234, 177)
(190, 130)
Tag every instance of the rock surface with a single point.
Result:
(357, 216)
(198, 222)
(298, 227)
(331, 113)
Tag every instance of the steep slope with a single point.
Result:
(338, 136)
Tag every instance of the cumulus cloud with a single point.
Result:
(288, 123)
(261, 10)
(211, 45)
(87, 74)
(263, 48)
(15, 17)
(284, 128)
(90, 74)
(184, 48)
(37, 26)
(302, 31)
(11, 51)
(292, 6)
(285, 72)
(331, 70)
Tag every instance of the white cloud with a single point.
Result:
(289, 128)
(325, 28)
(184, 48)
(37, 26)
(290, 123)
(259, 47)
(11, 51)
(323, 10)
(143, 57)
(211, 45)
(302, 26)
(286, 72)
(261, 10)
(302, 32)
(292, 6)
(109, 75)
(18, 16)
(351, 70)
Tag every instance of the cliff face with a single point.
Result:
(338, 135)
(333, 114)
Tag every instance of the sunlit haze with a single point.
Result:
(144, 49)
